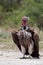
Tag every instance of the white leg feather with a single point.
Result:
(23, 49)
(30, 48)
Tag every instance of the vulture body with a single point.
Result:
(25, 44)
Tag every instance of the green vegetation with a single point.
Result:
(11, 12)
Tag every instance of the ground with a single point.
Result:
(11, 57)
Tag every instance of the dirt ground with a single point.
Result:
(11, 57)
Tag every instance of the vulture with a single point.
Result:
(24, 42)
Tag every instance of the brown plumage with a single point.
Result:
(21, 38)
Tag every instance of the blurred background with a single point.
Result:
(11, 12)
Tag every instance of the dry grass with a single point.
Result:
(7, 44)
